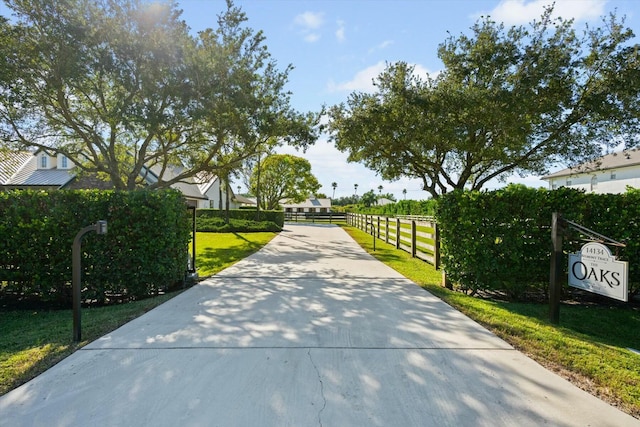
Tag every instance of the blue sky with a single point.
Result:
(339, 46)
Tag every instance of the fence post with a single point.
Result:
(436, 245)
(413, 238)
(397, 233)
(378, 230)
(386, 230)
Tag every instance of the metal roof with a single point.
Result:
(30, 175)
(11, 162)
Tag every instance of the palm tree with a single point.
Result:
(404, 192)
(380, 189)
(334, 185)
(355, 186)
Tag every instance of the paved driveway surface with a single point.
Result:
(310, 331)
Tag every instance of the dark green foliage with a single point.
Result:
(276, 217)
(403, 207)
(501, 240)
(217, 225)
(143, 252)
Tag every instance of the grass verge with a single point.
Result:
(217, 251)
(31, 341)
(590, 347)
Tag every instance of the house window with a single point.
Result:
(43, 160)
(613, 175)
(323, 210)
(300, 209)
(289, 210)
(312, 209)
(568, 182)
(211, 204)
(64, 162)
(594, 183)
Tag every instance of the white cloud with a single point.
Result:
(312, 37)
(363, 79)
(340, 32)
(309, 23)
(310, 20)
(518, 12)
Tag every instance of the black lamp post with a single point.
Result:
(99, 227)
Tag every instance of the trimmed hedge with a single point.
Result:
(143, 252)
(276, 217)
(217, 225)
(403, 207)
(501, 240)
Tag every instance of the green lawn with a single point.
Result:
(217, 251)
(590, 347)
(31, 341)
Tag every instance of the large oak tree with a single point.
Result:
(514, 100)
(122, 87)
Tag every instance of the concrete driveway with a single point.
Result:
(310, 331)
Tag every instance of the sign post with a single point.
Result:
(592, 269)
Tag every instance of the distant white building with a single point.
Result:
(311, 205)
(609, 174)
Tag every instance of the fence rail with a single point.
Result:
(419, 237)
(329, 217)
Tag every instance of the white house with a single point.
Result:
(609, 174)
(42, 170)
(312, 205)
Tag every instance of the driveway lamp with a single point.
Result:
(99, 227)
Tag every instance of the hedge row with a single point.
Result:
(501, 240)
(403, 207)
(276, 217)
(143, 252)
(218, 225)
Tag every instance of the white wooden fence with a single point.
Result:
(420, 238)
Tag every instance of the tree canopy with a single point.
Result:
(122, 88)
(283, 177)
(514, 100)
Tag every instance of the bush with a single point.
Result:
(217, 225)
(276, 217)
(501, 240)
(403, 207)
(143, 252)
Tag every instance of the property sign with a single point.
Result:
(596, 270)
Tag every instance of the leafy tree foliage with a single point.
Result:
(508, 101)
(121, 87)
(283, 176)
(369, 198)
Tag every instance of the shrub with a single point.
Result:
(276, 217)
(143, 252)
(501, 240)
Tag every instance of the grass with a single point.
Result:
(31, 341)
(590, 347)
(217, 251)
